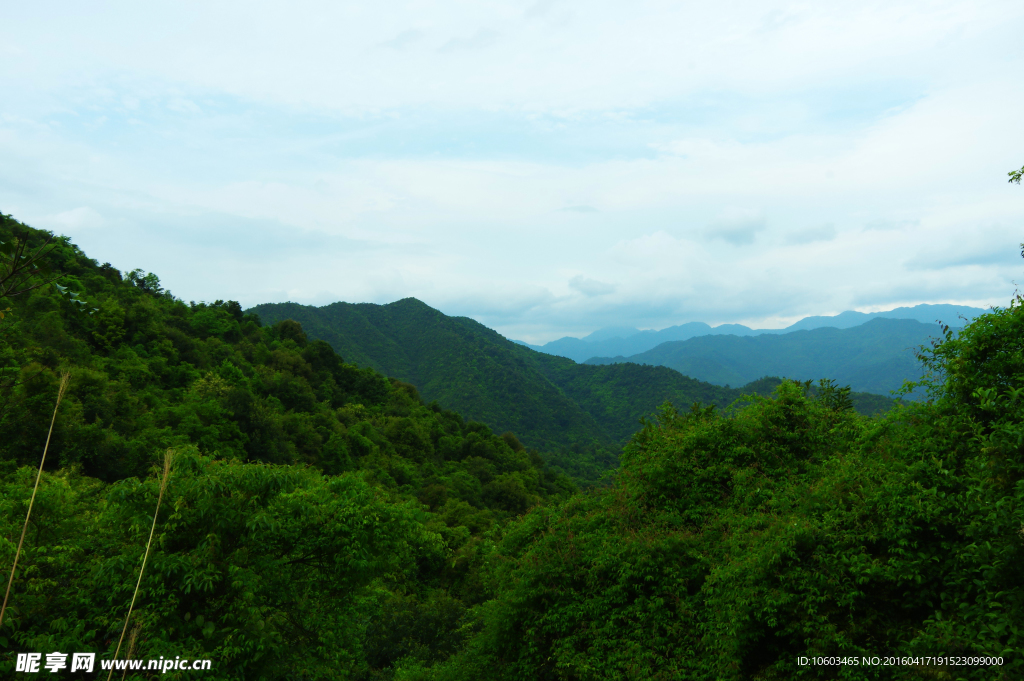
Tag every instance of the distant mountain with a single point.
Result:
(616, 341)
(950, 315)
(581, 349)
(550, 402)
(610, 332)
(875, 357)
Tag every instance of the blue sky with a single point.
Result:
(546, 168)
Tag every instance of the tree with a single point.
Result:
(20, 264)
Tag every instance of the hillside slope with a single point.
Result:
(451, 360)
(308, 500)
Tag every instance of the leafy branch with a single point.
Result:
(19, 264)
(1015, 175)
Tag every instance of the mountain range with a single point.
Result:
(550, 402)
(875, 357)
(619, 341)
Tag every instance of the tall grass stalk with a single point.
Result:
(65, 378)
(168, 460)
(131, 645)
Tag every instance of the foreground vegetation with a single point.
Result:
(321, 521)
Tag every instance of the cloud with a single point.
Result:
(578, 209)
(402, 40)
(72, 221)
(1003, 254)
(539, 8)
(882, 225)
(825, 232)
(182, 105)
(590, 287)
(736, 225)
(776, 20)
(500, 302)
(482, 39)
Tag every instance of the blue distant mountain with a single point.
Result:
(950, 315)
(619, 341)
(874, 357)
(611, 332)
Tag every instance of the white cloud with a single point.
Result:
(182, 105)
(590, 287)
(882, 224)
(403, 40)
(72, 222)
(483, 38)
(539, 8)
(736, 225)
(825, 232)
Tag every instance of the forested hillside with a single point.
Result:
(549, 401)
(875, 357)
(453, 360)
(294, 470)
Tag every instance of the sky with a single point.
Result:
(546, 167)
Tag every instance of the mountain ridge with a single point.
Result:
(875, 357)
(603, 344)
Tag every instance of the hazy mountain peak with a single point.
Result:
(951, 315)
(610, 332)
(615, 341)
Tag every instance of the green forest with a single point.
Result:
(227, 485)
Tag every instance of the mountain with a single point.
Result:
(875, 357)
(148, 371)
(550, 402)
(610, 332)
(616, 341)
(451, 360)
(950, 315)
(582, 349)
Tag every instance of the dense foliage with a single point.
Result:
(310, 499)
